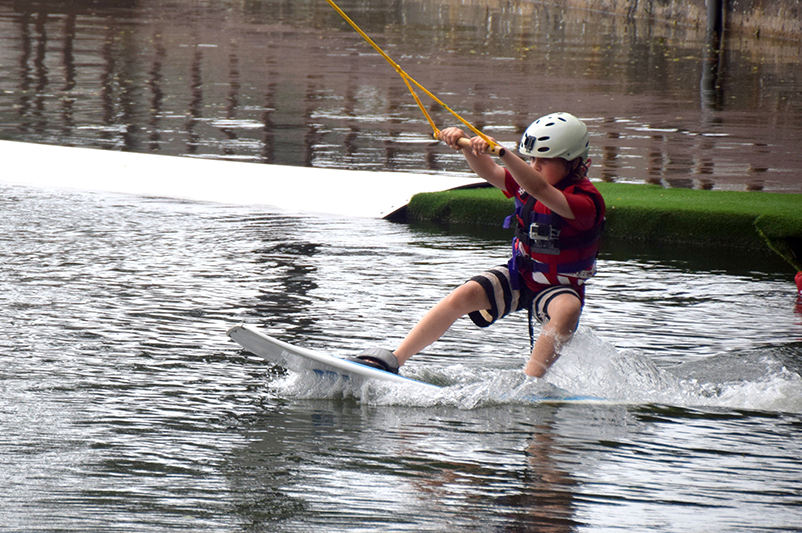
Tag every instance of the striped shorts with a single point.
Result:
(505, 300)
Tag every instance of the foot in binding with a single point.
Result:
(377, 358)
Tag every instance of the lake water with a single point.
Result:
(289, 82)
(124, 406)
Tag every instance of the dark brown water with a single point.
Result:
(288, 82)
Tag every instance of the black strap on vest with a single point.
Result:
(523, 231)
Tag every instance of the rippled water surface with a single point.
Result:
(288, 82)
(124, 405)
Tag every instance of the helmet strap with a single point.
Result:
(583, 168)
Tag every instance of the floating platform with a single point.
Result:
(297, 189)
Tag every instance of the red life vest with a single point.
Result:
(547, 249)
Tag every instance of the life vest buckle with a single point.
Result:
(544, 238)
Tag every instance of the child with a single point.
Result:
(559, 218)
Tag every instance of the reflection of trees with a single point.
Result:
(298, 87)
(154, 83)
(268, 154)
(232, 105)
(195, 108)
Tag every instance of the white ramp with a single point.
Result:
(296, 189)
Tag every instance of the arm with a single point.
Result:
(535, 184)
(474, 150)
(532, 181)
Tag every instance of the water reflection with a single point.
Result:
(285, 267)
(549, 505)
(510, 463)
(289, 83)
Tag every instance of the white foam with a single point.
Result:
(733, 380)
(590, 370)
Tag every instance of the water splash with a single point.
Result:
(755, 379)
(590, 370)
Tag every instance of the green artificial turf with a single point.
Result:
(749, 220)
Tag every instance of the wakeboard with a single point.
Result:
(299, 359)
(305, 360)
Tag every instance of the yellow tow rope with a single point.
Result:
(409, 81)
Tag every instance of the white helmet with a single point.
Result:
(556, 135)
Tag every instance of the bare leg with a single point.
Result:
(462, 300)
(564, 311)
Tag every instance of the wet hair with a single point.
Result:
(577, 170)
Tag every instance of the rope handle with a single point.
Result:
(409, 81)
(494, 148)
